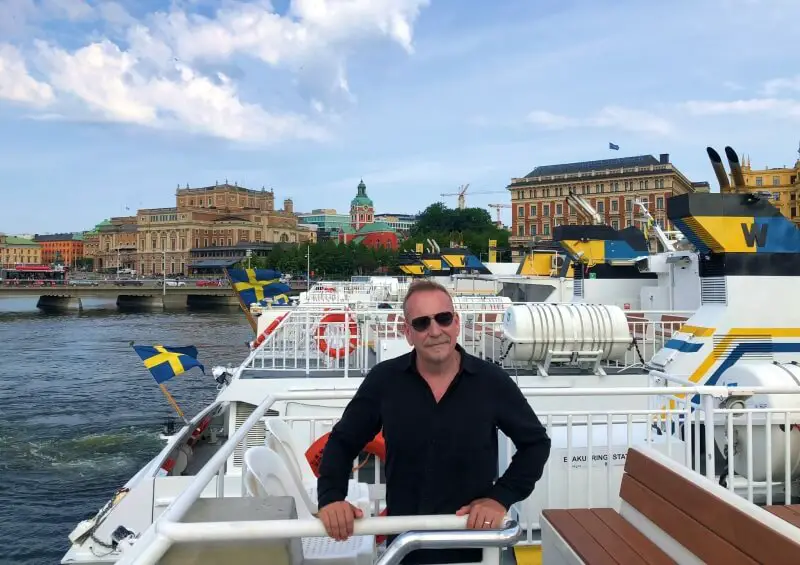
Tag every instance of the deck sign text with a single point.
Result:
(600, 458)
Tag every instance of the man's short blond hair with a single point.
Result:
(423, 285)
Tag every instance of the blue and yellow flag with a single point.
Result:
(166, 362)
(258, 286)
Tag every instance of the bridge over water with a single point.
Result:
(150, 295)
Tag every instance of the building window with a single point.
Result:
(546, 210)
(615, 224)
(660, 203)
(521, 211)
(559, 210)
(533, 210)
(759, 181)
(520, 230)
(615, 205)
(776, 181)
(533, 229)
(546, 230)
(601, 207)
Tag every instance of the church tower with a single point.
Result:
(362, 212)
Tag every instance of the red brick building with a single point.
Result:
(64, 248)
(611, 186)
(363, 228)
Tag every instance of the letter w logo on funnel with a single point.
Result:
(753, 238)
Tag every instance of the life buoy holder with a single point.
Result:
(322, 343)
(376, 447)
(270, 328)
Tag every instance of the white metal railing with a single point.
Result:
(344, 338)
(585, 465)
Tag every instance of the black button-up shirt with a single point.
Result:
(439, 456)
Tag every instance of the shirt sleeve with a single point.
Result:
(517, 420)
(360, 422)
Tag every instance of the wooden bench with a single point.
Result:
(668, 514)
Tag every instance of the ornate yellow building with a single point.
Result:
(783, 184)
(116, 246)
(19, 251)
(225, 217)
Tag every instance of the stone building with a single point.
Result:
(223, 217)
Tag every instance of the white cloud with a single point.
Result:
(154, 80)
(612, 117)
(774, 86)
(107, 81)
(15, 82)
(774, 107)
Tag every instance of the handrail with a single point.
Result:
(411, 541)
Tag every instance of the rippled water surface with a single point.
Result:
(79, 414)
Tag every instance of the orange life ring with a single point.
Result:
(335, 318)
(376, 447)
(269, 330)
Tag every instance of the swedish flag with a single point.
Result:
(258, 285)
(167, 362)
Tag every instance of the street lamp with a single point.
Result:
(308, 268)
(164, 272)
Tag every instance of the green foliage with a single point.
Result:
(472, 227)
(329, 260)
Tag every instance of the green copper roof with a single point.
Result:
(361, 198)
(375, 227)
(12, 240)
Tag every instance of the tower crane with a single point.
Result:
(499, 207)
(462, 190)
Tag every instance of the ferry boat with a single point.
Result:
(715, 397)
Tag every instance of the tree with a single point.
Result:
(471, 228)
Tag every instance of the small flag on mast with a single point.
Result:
(613, 146)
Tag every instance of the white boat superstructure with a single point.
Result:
(716, 395)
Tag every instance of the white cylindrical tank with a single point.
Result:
(538, 327)
(762, 374)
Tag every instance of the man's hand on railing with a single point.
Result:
(338, 519)
(484, 514)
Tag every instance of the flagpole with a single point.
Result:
(173, 403)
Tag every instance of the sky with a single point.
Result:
(108, 106)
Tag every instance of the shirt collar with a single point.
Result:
(468, 362)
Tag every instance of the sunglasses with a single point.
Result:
(422, 323)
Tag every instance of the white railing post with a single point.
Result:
(708, 409)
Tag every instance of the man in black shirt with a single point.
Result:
(439, 409)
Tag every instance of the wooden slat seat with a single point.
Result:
(683, 517)
(602, 536)
(790, 513)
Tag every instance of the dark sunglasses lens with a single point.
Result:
(424, 322)
(421, 324)
(444, 318)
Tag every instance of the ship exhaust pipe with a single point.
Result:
(736, 169)
(719, 169)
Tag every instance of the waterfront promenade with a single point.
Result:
(150, 294)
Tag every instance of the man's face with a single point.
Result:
(434, 340)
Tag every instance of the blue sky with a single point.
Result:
(107, 105)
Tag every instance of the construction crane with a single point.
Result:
(462, 190)
(499, 207)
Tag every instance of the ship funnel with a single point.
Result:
(719, 169)
(736, 169)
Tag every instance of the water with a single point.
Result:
(79, 413)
